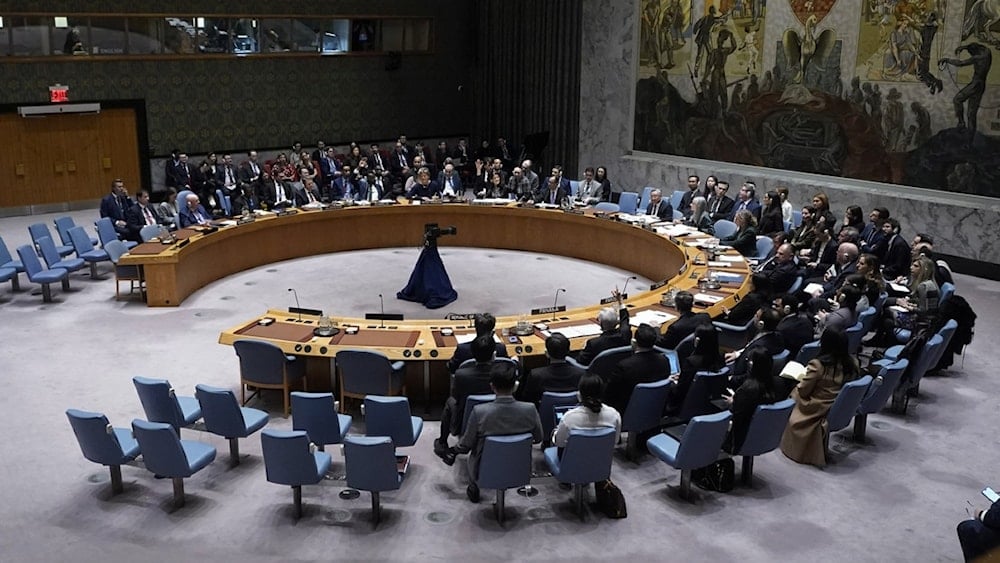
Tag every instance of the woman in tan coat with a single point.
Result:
(814, 395)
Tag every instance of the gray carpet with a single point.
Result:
(896, 498)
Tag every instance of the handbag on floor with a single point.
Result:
(610, 499)
(719, 476)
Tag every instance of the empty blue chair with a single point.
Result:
(879, 393)
(628, 202)
(586, 459)
(764, 247)
(224, 203)
(647, 196)
(764, 435)
(909, 385)
(505, 464)
(161, 404)
(946, 333)
(604, 362)
(705, 386)
(37, 274)
(39, 230)
(470, 403)
(606, 207)
(289, 461)
(698, 447)
(390, 416)
(725, 228)
(223, 416)
(546, 411)
(867, 318)
(676, 198)
(317, 415)
(363, 372)
(796, 218)
(808, 351)
(53, 260)
(845, 407)
(644, 411)
(63, 225)
(7, 261)
(677, 215)
(102, 443)
(147, 232)
(264, 366)
(166, 455)
(85, 250)
(734, 337)
(123, 272)
(372, 466)
(574, 187)
(106, 233)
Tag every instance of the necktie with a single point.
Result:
(279, 191)
(197, 217)
(656, 209)
(256, 171)
(229, 175)
(715, 205)
(149, 216)
(402, 160)
(312, 198)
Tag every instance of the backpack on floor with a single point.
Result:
(719, 476)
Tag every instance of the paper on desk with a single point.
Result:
(463, 338)
(651, 317)
(715, 264)
(899, 288)
(898, 309)
(227, 223)
(575, 331)
(728, 277)
(676, 230)
(727, 258)
(706, 298)
(813, 287)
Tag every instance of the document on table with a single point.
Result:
(706, 298)
(729, 258)
(651, 317)
(813, 288)
(575, 331)
(469, 337)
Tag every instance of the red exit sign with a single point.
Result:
(58, 93)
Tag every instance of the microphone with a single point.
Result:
(625, 285)
(555, 301)
(297, 306)
(381, 303)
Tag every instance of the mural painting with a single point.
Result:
(869, 121)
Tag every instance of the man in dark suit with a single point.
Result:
(552, 192)
(140, 215)
(780, 269)
(226, 175)
(275, 193)
(557, 171)
(179, 173)
(873, 240)
(795, 327)
(319, 153)
(685, 325)
(246, 200)
(192, 213)
(559, 376)
(250, 172)
(472, 380)
(643, 366)
(485, 324)
(720, 205)
(328, 168)
(308, 194)
(980, 536)
(657, 206)
(451, 183)
(344, 187)
(115, 205)
(747, 199)
(768, 338)
(376, 158)
(897, 252)
(693, 191)
(615, 332)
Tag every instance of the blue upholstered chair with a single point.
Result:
(505, 464)
(725, 228)
(546, 411)
(779, 360)
(574, 187)
(317, 415)
(470, 403)
(586, 459)
(909, 385)
(647, 196)
(363, 372)
(705, 386)
(698, 447)
(796, 285)
(734, 337)
(264, 366)
(54, 260)
(676, 198)
(101, 443)
(628, 202)
(39, 230)
(644, 411)
(37, 274)
(390, 416)
(879, 393)
(947, 290)
(106, 233)
(765, 245)
(604, 362)
(149, 231)
(796, 218)
(223, 416)
(86, 250)
(289, 461)
(845, 407)
(808, 352)
(7, 261)
(372, 466)
(224, 203)
(63, 225)
(672, 357)
(606, 207)
(123, 272)
(8, 274)
(766, 427)
(166, 455)
(161, 404)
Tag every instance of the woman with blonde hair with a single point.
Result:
(744, 240)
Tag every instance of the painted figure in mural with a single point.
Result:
(648, 32)
(703, 37)
(767, 84)
(804, 49)
(922, 123)
(979, 19)
(856, 96)
(750, 45)
(980, 59)
(892, 121)
(753, 89)
(901, 51)
(676, 23)
(716, 69)
(927, 33)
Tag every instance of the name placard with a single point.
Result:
(612, 299)
(573, 211)
(546, 310)
(461, 316)
(657, 285)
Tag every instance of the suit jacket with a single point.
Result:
(830, 287)
(725, 207)
(300, 197)
(873, 240)
(178, 175)
(620, 336)
(328, 168)
(242, 201)
(897, 258)
(543, 195)
(187, 218)
(246, 174)
(644, 366)
(456, 182)
(797, 331)
(472, 380)
(843, 318)
(685, 205)
(680, 329)
(504, 416)
(665, 211)
(114, 207)
(752, 205)
(379, 161)
(418, 190)
(136, 220)
(341, 186)
(559, 376)
(220, 178)
(269, 193)
(745, 241)
(463, 352)
(772, 342)
(781, 274)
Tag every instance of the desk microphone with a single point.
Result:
(555, 301)
(297, 306)
(381, 303)
(625, 286)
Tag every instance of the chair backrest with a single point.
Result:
(796, 218)
(867, 319)
(162, 452)
(702, 440)
(686, 346)
(607, 207)
(261, 362)
(764, 247)
(796, 285)
(224, 202)
(946, 332)
(587, 457)
(364, 372)
(115, 249)
(388, 416)
(49, 252)
(63, 225)
(676, 197)
(287, 459)
(628, 202)
(704, 386)
(80, 240)
(505, 462)
(546, 408)
(97, 440)
(106, 230)
(604, 363)
(5, 255)
(672, 357)
(39, 230)
(947, 290)
(766, 427)
(32, 266)
(846, 404)
(314, 413)
(158, 401)
(922, 363)
(734, 337)
(150, 231)
(808, 352)
(725, 228)
(779, 360)
(371, 463)
(647, 196)
(574, 187)
(881, 389)
(854, 335)
(220, 411)
(470, 403)
(645, 406)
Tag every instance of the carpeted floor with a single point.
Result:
(896, 498)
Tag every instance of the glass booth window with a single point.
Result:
(178, 35)
(107, 37)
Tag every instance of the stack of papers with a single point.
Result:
(729, 258)
(706, 298)
(463, 338)
(575, 331)
(651, 318)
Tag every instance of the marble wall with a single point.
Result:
(963, 225)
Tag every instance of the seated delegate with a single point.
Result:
(591, 413)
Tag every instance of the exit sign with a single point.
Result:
(58, 93)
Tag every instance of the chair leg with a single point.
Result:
(747, 474)
(376, 508)
(685, 490)
(234, 452)
(631, 445)
(178, 492)
(297, 500)
(46, 293)
(65, 283)
(116, 479)
(15, 284)
(860, 427)
(579, 490)
(93, 270)
(498, 508)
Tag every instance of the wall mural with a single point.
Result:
(702, 90)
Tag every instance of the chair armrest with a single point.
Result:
(289, 358)
(572, 361)
(398, 366)
(726, 326)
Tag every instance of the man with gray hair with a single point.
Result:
(685, 324)
(519, 186)
(533, 180)
(615, 332)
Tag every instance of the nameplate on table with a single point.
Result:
(304, 311)
(612, 299)
(285, 211)
(546, 310)
(573, 211)
(245, 220)
(658, 284)
(183, 243)
(460, 316)
(383, 316)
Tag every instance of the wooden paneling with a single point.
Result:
(64, 158)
